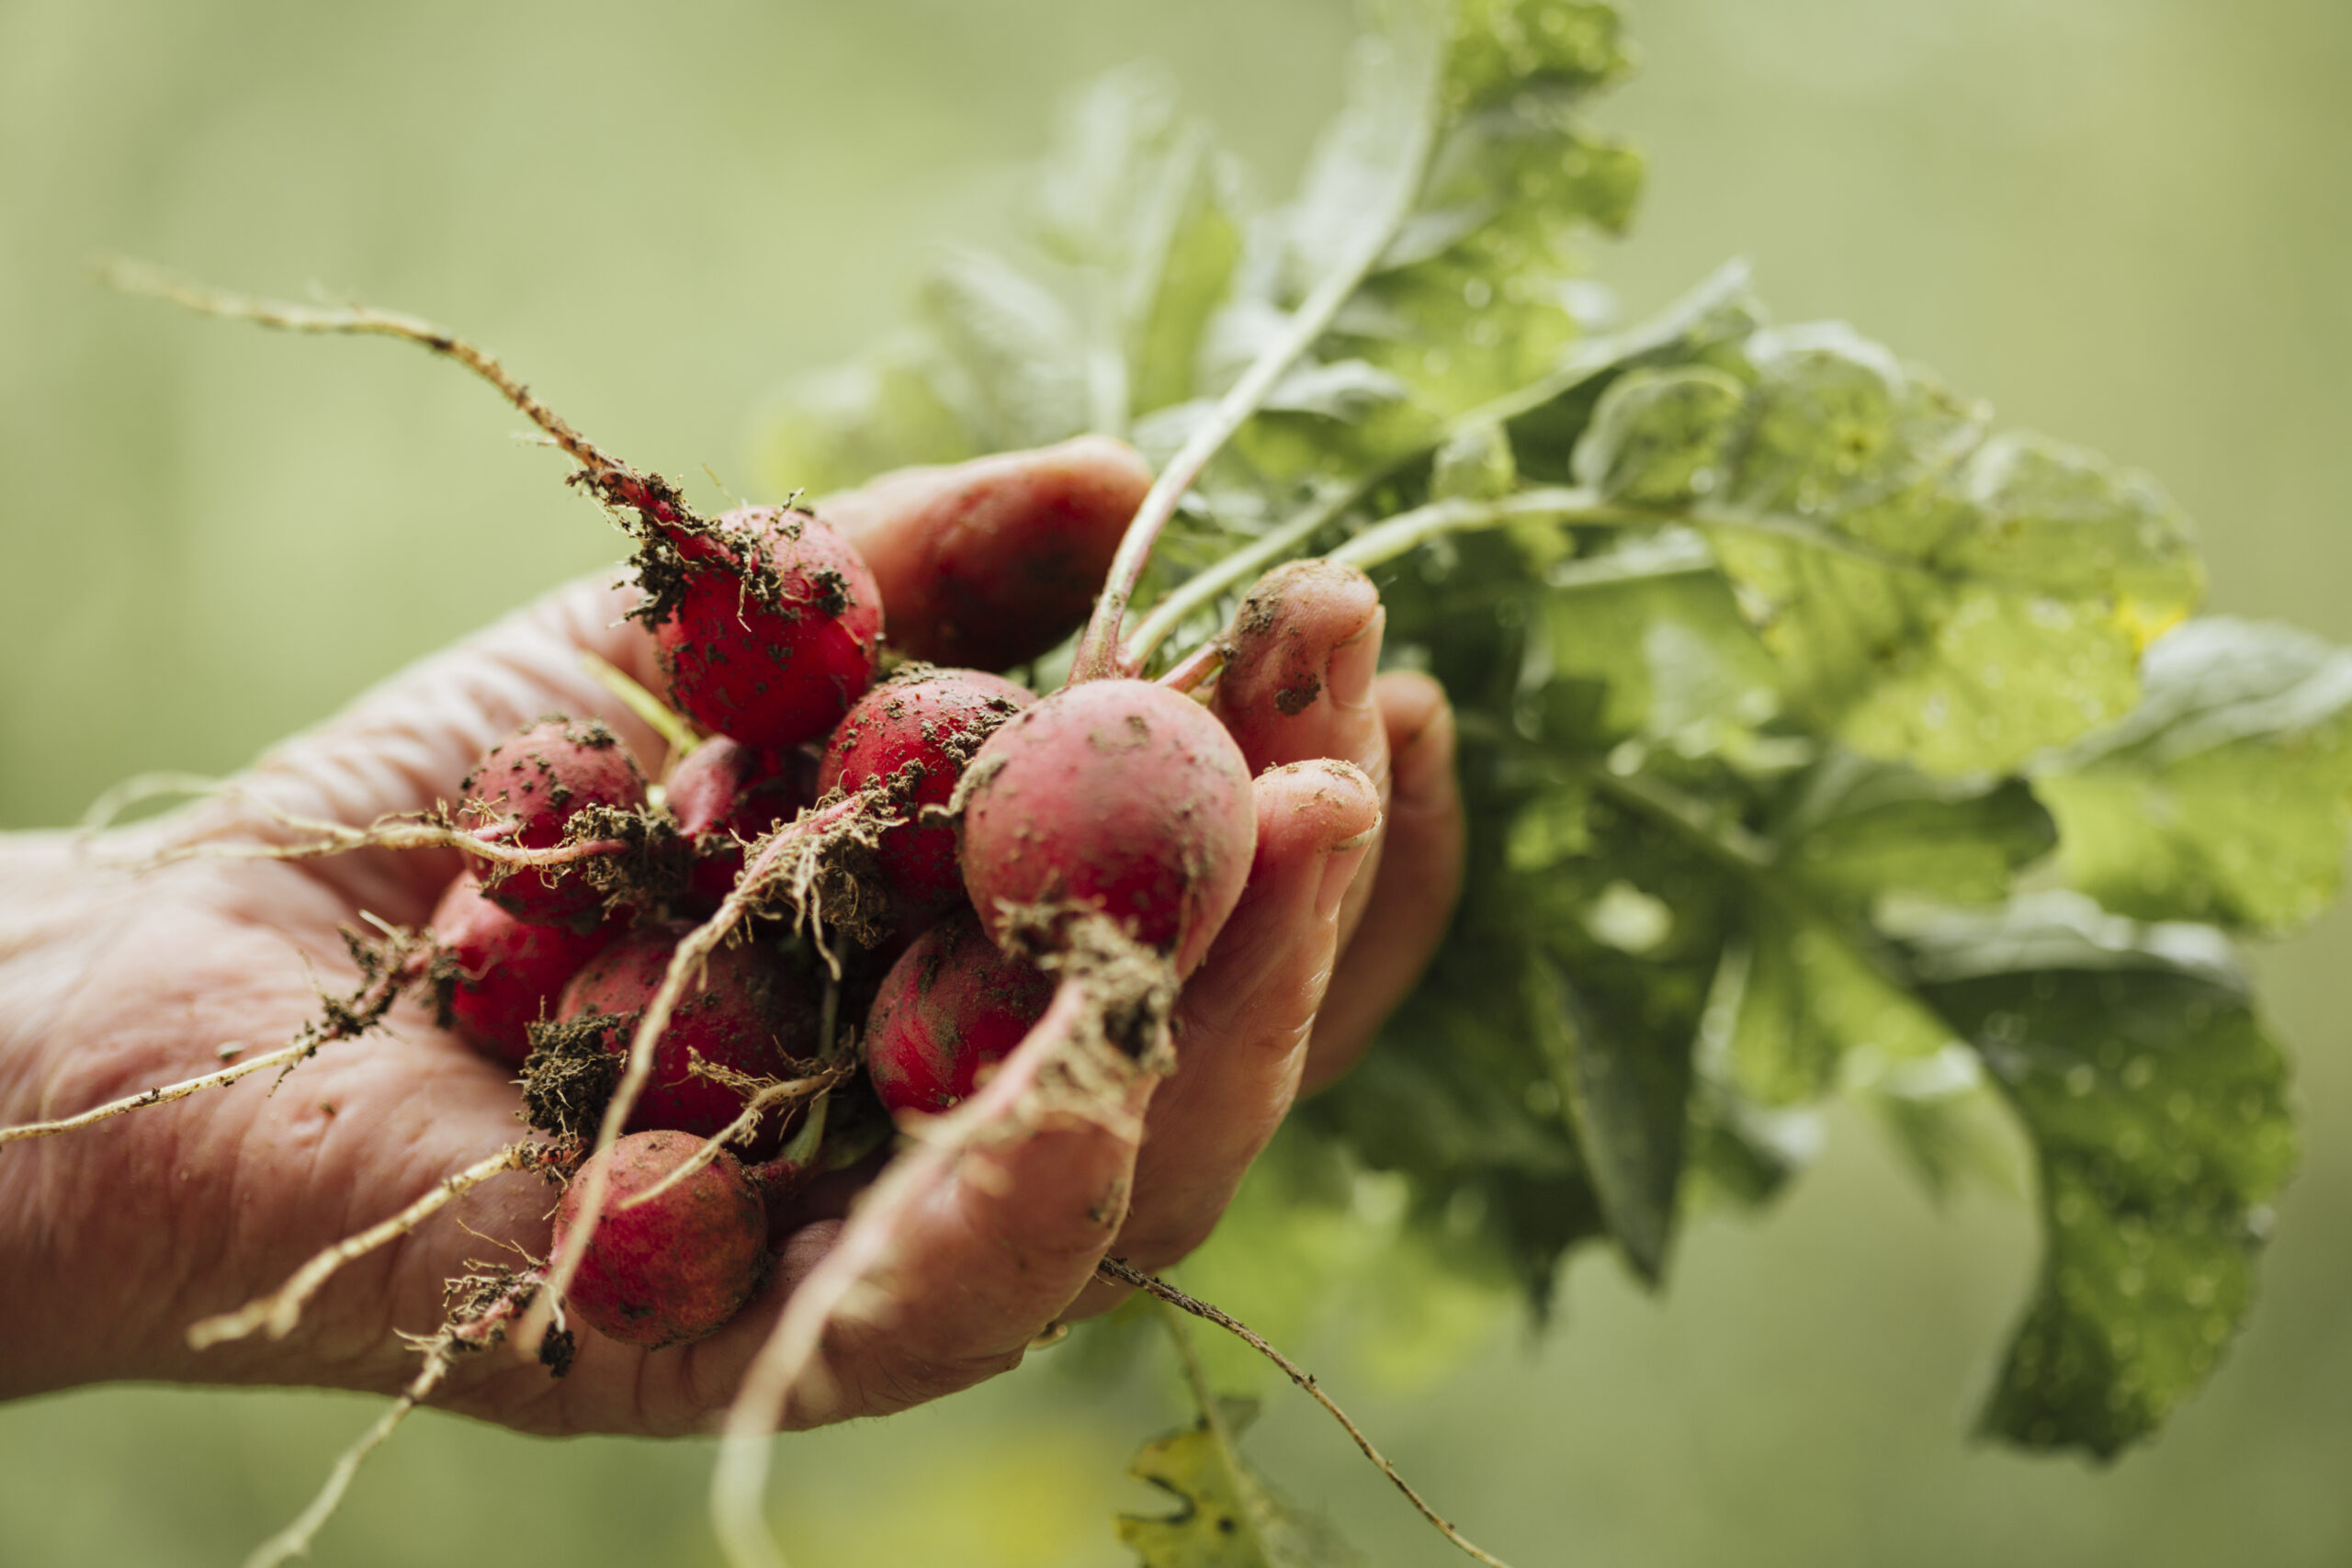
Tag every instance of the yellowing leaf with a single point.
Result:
(1228, 1516)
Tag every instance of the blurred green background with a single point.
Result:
(2126, 221)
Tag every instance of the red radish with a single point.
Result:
(750, 1013)
(951, 1007)
(775, 654)
(725, 794)
(508, 973)
(525, 792)
(674, 1269)
(914, 735)
(1118, 795)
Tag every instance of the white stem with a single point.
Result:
(738, 1483)
(1099, 653)
(1600, 357)
(1407, 530)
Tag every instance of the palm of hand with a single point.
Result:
(146, 1222)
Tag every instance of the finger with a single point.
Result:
(990, 563)
(1298, 683)
(1243, 1021)
(1412, 902)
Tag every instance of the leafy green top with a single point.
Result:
(1817, 736)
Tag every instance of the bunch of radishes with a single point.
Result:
(964, 826)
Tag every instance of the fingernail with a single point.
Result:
(1354, 663)
(1339, 875)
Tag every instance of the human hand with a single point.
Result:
(131, 1229)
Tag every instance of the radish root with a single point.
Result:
(611, 480)
(790, 1092)
(1116, 1271)
(479, 1308)
(387, 967)
(281, 1309)
(797, 866)
(1069, 1063)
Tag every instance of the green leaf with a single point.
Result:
(1462, 117)
(1859, 830)
(1368, 161)
(1628, 1106)
(1018, 349)
(1228, 1516)
(1815, 994)
(1661, 437)
(1809, 998)
(1946, 1122)
(1137, 201)
(1498, 49)
(2155, 1102)
(1655, 627)
(2227, 795)
(1931, 595)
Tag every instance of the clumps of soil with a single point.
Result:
(570, 1076)
(676, 550)
(651, 867)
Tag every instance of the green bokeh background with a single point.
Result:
(2127, 221)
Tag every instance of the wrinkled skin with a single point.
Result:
(110, 982)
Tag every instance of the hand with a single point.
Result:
(117, 1236)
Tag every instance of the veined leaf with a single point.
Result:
(1811, 997)
(2227, 795)
(1932, 596)
(2155, 1102)
(1858, 832)
(1020, 364)
(1629, 1106)
(1461, 134)
(1140, 204)
(1655, 627)
(1228, 1516)
(1814, 995)
(1741, 692)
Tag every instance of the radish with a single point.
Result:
(951, 1007)
(674, 1267)
(1116, 795)
(726, 795)
(912, 737)
(768, 624)
(752, 1016)
(525, 793)
(506, 973)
